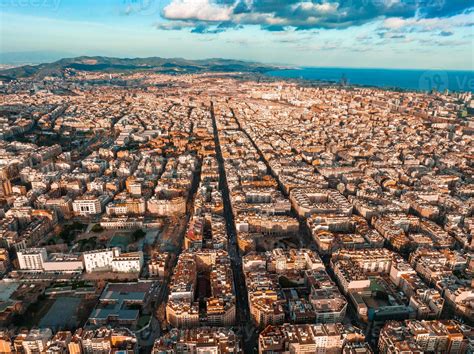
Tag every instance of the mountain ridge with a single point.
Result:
(113, 64)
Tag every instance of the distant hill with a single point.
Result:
(154, 64)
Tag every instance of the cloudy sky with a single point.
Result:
(436, 34)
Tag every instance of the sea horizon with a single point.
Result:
(406, 79)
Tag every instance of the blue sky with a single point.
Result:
(428, 34)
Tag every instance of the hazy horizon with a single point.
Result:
(431, 34)
(34, 61)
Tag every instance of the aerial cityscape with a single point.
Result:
(213, 206)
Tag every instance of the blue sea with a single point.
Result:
(423, 80)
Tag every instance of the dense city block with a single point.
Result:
(232, 213)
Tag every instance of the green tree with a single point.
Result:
(97, 228)
(138, 234)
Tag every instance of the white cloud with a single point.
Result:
(324, 8)
(395, 23)
(202, 10)
(175, 25)
(427, 24)
(400, 15)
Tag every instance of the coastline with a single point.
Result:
(387, 79)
